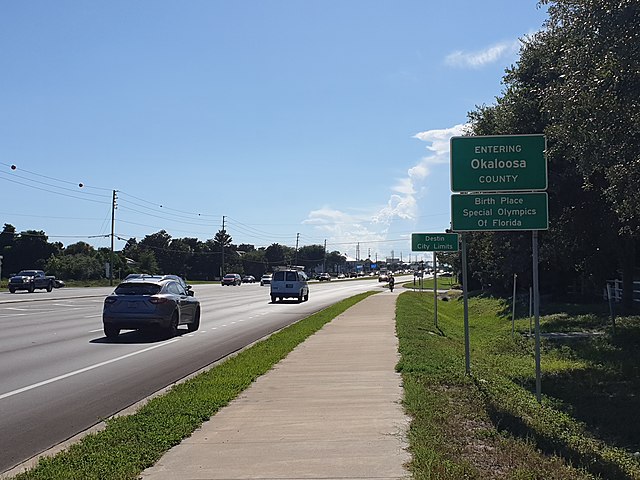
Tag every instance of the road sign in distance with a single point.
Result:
(498, 163)
(434, 242)
(499, 212)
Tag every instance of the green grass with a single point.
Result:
(427, 283)
(489, 425)
(129, 444)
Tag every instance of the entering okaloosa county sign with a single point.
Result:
(498, 163)
(499, 211)
(434, 242)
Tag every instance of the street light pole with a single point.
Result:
(113, 223)
(223, 239)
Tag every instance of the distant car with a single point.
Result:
(266, 279)
(231, 279)
(341, 275)
(289, 283)
(141, 303)
(31, 280)
(57, 283)
(324, 277)
(248, 279)
(383, 277)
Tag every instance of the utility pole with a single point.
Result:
(324, 260)
(222, 242)
(113, 224)
(297, 239)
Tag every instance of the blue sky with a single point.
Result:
(327, 119)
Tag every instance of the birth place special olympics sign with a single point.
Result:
(498, 163)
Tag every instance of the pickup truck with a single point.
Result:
(30, 280)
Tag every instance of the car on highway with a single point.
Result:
(266, 279)
(231, 279)
(146, 303)
(289, 283)
(31, 280)
(248, 279)
(324, 277)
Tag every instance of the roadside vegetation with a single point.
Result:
(444, 283)
(129, 444)
(489, 425)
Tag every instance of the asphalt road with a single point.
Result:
(59, 375)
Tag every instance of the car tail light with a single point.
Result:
(156, 300)
(110, 300)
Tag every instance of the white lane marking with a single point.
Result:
(82, 370)
(93, 316)
(95, 331)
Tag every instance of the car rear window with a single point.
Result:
(137, 289)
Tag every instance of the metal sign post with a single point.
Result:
(435, 289)
(465, 297)
(536, 312)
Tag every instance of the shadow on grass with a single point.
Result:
(591, 461)
(603, 396)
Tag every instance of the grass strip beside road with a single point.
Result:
(489, 425)
(129, 444)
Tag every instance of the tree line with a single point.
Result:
(577, 81)
(156, 253)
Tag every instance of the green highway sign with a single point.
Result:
(434, 242)
(499, 212)
(498, 163)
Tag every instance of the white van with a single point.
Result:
(290, 282)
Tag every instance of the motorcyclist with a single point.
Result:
(392, 282)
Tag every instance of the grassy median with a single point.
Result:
(489, 425)
(129, 444)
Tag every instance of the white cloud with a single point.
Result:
(402, 206)
(480, 58)
(340, 227)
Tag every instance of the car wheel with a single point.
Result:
(49, 287)
(12, 290)
(195, 325)
(306, 297)
(300, 297)
(31, 288)
(172, 329)
(111, 331)
(273, 299)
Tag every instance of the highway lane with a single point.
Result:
(59, 375)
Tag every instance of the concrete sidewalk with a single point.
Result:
(330, 410)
